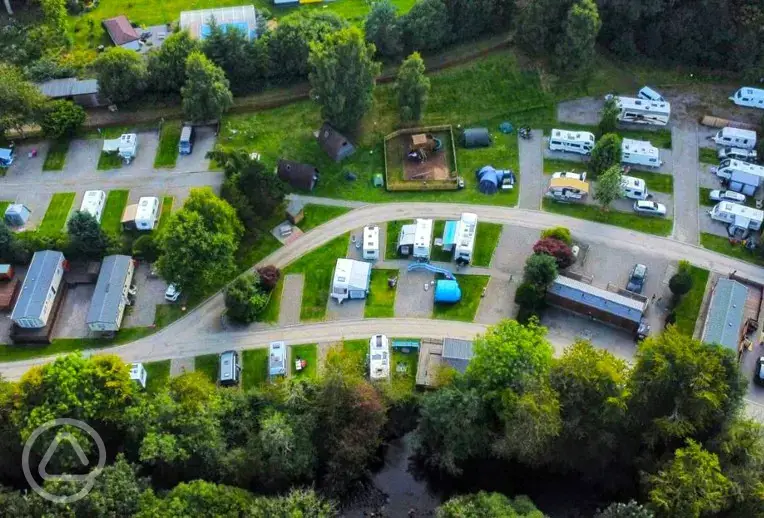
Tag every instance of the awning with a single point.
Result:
(742, 221)
(449, 233)
(129, 214)
(111, 145)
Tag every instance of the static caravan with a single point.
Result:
(567, 189)
(581, 142)
(371, 243)
(138, 374)
(379, 358)
(633, 188)
(642, 111)
(640, 152)
(111, 294)
(125, 146)
(422, 239)
(738, 216)
(276, 359)
(464, 243)
(41, 284)
(147, 213)
(750, 97)
(93, 203)
(742, 176)
(736, 137)
(351, 280)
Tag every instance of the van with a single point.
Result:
(186, 144)
(229, 368)
(649, 94)
(581, 142)
(735, 137)
(736, 153)
(750, 97)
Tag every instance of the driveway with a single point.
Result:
(411, 299)
(25, 167)
(149, 293)
(532, 181)
(684, 139)
(581, 111)
(74, 312)
(197, 161)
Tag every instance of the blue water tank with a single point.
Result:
(447, 291)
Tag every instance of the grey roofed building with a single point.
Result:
(37, 283)
(457, 353)
(82, 91)
(108, 295)
(725, 314)
(334, 143)
(586, 294)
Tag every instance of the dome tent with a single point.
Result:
(488, 179)
(447, 291)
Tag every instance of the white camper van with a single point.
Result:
(742, 176)
(750, 97)
(93, 203)
(379, 358)
(738, 216)
(581, 142)
(147, 214)
(642, 111)
(422, 239)
(640, 152)
(634, 188)
(736, 137)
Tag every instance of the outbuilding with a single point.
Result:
(371, 243)
(16, 215)
(334, 143)
(457, 353)
(725, 314)
(351, 280)
(242, 18)
(299, 176)
(476, 137)
(295, 211)
(110, 298)
(122, 33)
(84, 92)
(38, 293)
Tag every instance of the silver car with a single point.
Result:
(730, 196)
(649, 208)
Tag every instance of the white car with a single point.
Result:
(649, 208)
(172, 294)
(730, 196)
(571, 175)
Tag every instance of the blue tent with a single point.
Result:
(447, 291)
(488, 179)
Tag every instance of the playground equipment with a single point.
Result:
(430, 268)
(423, 144)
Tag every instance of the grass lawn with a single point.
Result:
(649, 225)
(167, 152)
(381, 300)
(358, 350)
(704, 195)
(164, 215)
(708, 155)
(207, 364)
(464, 310)
(111, 219)
(437, 253)
(254, 368)
(393, 229)
(689, 307)
(108, 161)
(487, 238)
(54, 160)
(271, 312)
(657, 182)
(403, 383)
(57, 213)
(167, 314)
(309, 353)
(723, 246)
(4, 205)
(157, 374)
(552, 166)
(316, 215)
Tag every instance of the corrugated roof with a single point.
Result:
(107, 297)
(598, 298)
(36, 285)
(725, 313)
(58, 88)
(457, 353)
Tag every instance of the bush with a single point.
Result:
(540, 270)
(146, 248)
(269, 277)
(531, 300)
(560, 233)
(680, 283)
(606, 153)
(555, 248)
(61, 118)
(244, 299)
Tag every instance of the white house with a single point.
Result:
(581, 142)
(736, 137)
(351, 280)
(41, 284)
(93, 203)
(750, 97)
(642, 111)
(640, 152)
(110, 297)
(738, 216)
(371, 243)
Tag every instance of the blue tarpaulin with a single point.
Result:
(447, 291)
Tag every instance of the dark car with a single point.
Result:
(758, 372)
(637, 278)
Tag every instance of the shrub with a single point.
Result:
(145, 247)
(606, 153)
(561, 233)
(269, 277)
(680, 283)
(540, 270)
(555, 248)
(244, 300)
(530, 299)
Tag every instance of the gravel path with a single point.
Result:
(684, 139)
(531, 170)
(291, 296)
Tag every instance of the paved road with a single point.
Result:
(531, 170)
(684, 143)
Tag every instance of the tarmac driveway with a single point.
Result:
(197, 161)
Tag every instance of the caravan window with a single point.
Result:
(556, 142)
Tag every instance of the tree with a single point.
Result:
(609, 120)
(561, 233)
(342, 77)
(146, 247)
(557, 249)
(383, 29)
(540, 270)
(628, 510)
(240, 59)
(413, 88)
(244, 300)
(575, 50)
(269, 277)
(206, 93)
(606, 153)
(609, 186)
(167, 64)
(216, 212)
(681, 282)
(61, 118)
(20, 101)
(690, 485)
(287, 453)
(121, 74)
(425, 26)
(198, 498)
(488, 505)
(539, 24)
(531, 300)
(86, 237)
(11, 249)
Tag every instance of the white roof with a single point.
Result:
(644, 105)
(629, 182)
(465, 232)
(738, 210)
(574, 136)
(91, 201)
(746, 167)
(407, 234)
(738, 133)
(423, 235)
(755, 92)
(639, 147)
(353, 274)
(145, 208)
(379, 357)
(371, 238)
(136, 371)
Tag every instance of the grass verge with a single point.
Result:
(403, 373)
(108, 161)
(111, 219)
(58, 211)
(316, 215)
(167, 152)
(207, 364)
(464, 310)
(254, 371)
(437, 253)
(381, 300)
(657, 182)
(487, 238)
(309, 353)
(157, 374)
(357, 350)
(56, 157)
(3, 206)
(164, 215)
(552, 165)
(708, 155)
(689, 307)
(722, 245)
(391, 244)
(649, 225)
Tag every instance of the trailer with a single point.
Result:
(749, 97)
(642, 111)
(634, 188)
(125, 146)
(464, 243)
(735, 137)
(581, 142)
(371, 243)
(640, 152)
(737, 216)
(741, 176)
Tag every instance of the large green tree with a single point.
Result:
(488, 505)
(609, 118)
(20, 100)
(630, 509)
(244, 62)
(383, 29)
(86, 237)
(609, 186)
(244, 299)
(413, 88)
(206, 93)
(342, 77)
(61, 118)
(575, 49)
(121, 74)
(606, 153)
(425, 26)
(167, 64)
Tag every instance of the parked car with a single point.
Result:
(637, 278)
(731, 196)
(172, 294)
(649, 208)
(571, 175)
(758, 371)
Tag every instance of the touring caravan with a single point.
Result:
(750, 97)
(642, 111)
(464, 246)
(738, 216)
(125, 146)
(640, 152)
(567, 190)
(742, 176)
(93, 203)
(276, 359)
(736, 137)
(379, 358)
(371, 243)
(415, 239)
(634, 188)
(581, 142)
(147, 213)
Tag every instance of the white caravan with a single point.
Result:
(371, 243)
(581, 142)
(736, 137)
(466, 228)
(633, 188)
(743, 177)
(649, 94)
(422, 239)
(750, 97)
(147, 214)
(93, 203)
(379, 358)
(642, 111)
(640, 152)
(738, 216)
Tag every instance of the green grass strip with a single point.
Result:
(111, 219)
(309, 353)
(254, 370)
(56, 157)
(646, 224)
(689, 307)
(58, 211)
(167, 152)
(381, 300)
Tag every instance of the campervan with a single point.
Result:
(742, 176)
(93, 203)
(634, 188)
(736, 137)
(642, 111)
(738, 216)
(379, 357)
(567, 190)
(640, 152)
(466, 229)
(649, 94)
(744, 155)
(186, 142)
(147, 214)
(750, 97)
(581, 142)
(422, 239)
(277, 359)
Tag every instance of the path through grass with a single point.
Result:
(56, 157)
(58, 211)
(111, 219)
(316, 215)
(689, 307)
(381, 300)
(464, 310)
(649, 225)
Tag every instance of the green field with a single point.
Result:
(657, 182)
(381, 300)
(649, 225)
(391, 246)
(316, 215)
(689, 307)
(58, 211)
(708, 155)
(723, 246)
(487, 238)
(403, 383)
(164, 216)
(167, 152)
(254, 368)
(464, 310)
(207, 364)
(56, 157)
(111, 219)
(309, 353)
(157, 374)
(167, 314)
(437, 253)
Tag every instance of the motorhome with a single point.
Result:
(379, 358)
(464, 245)
(649, 94)
(634, 188)
(744, 155)
(642, 111)
(567, 190)
(229, 368)
(735, 137)
(93, 203)
(737, 216)
(742, 176)
(276, 359)
(640, 152)
(371, 243)
(750, 97)
(147, 213)
(581, 142)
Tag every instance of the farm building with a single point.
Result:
(415, 239)
(725, 314)
(84, 92)
(299, 176)
(16, 215)
(351, 280)
(476, 137)
(334, 143)
(122, 33)
(110, 298)
(39, 290)
(242, 18)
